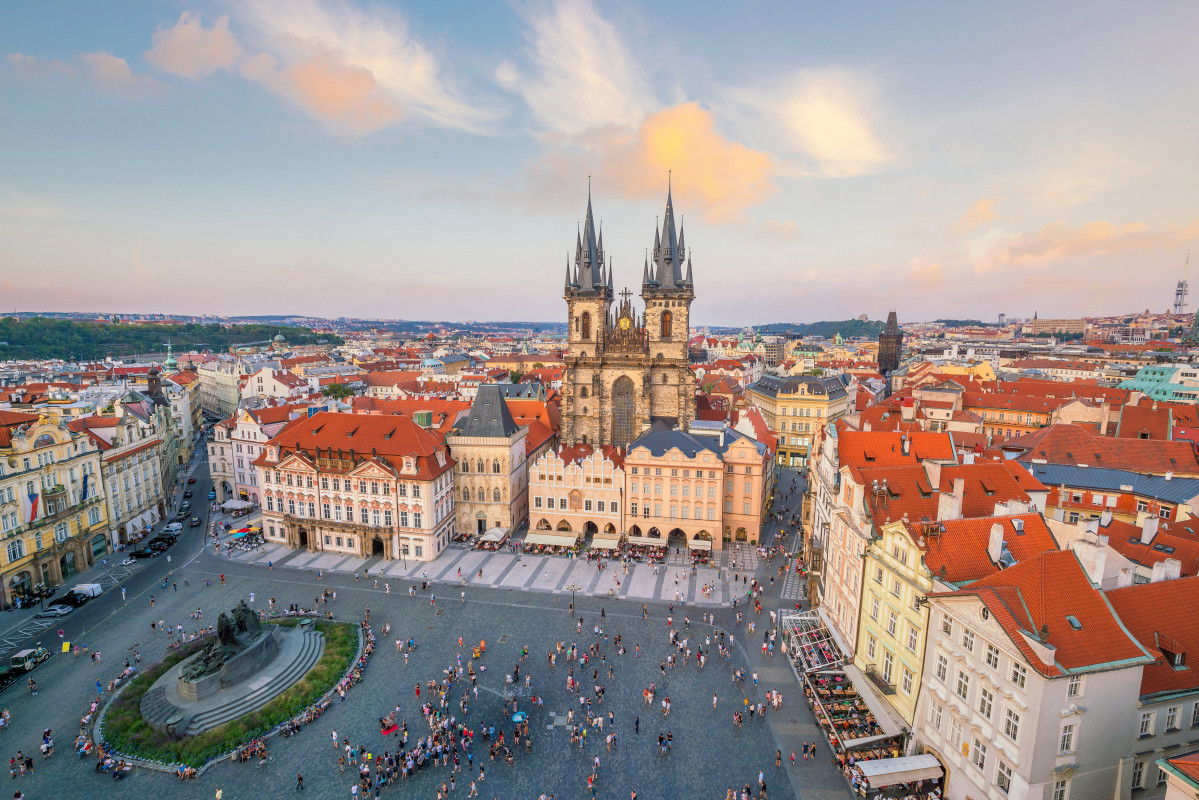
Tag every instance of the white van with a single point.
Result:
(174, 527)
(88, 589)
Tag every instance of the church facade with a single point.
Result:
(624, 369)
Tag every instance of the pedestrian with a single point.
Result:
(222, 579)
(151, 601)
(299, 781)
(122, 594)
(251, 597)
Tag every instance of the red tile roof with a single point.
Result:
(868, 449)
(389, 438)
(1125, 539)
(1039, 596)
(1073, 444)
(959, 554)
(1162, 617)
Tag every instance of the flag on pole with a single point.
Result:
(34, 497)
(85, 477)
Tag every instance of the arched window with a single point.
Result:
(466, 495)
(663, 377)
(583, 393)
(586, 324)
(495, 495)
(479, 466)
(495, 466)
(465, 465)
(666, 320)
(482, 496)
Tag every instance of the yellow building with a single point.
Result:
(795, 407)
(52, 515)
(979, 370)
(894, 622)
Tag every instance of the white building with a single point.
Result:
(1029, 682)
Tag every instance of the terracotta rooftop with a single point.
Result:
(1162, 617)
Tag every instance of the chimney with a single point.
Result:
(1103, 415)
(1105, 519)
(949, 504)
(1167, 570)
(1125, 578)
(995, 545)
(1149, 530)
(907, 413)
(933, 470)
(906, 444)
(968, 457)
(866, 426)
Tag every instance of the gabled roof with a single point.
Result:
(1162, 617)
(489, 415)
(1125, 539)
(866, 449)
(1049, 597)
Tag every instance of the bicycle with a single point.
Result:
(265, 760)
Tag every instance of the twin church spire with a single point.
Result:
(669, 269)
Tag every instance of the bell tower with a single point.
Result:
(668, 289)
(588, 294)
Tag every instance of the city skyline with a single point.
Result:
(242, 158)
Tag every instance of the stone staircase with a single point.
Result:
(309, 646)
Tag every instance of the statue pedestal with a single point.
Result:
(236, 669)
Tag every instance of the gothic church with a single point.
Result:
(624, 370)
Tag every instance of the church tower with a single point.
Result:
(667, 289)
(625, 371)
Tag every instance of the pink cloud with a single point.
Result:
(723, 177)
(1058, 242)
(346, 97)
(192, 51)
(980, 213)
(113, 74)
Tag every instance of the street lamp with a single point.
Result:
(573, 588)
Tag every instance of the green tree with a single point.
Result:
(338, 391)
(515, 375)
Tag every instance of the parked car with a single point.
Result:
(181, 516)
(72, 599)
(146, 552)
(191, 480)
(195, 522)
(212, 495)
(55, 611)
(174, 527)
(188, 493)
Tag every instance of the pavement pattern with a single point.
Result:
(709, 754)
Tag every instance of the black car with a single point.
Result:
(73, 599)
(146, 552)
(188, 493)
(161, 541)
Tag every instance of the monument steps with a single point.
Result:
(311, 647)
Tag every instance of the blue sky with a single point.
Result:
(431, 160)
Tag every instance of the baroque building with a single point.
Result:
(625, 370)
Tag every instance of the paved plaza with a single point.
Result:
(708, 755)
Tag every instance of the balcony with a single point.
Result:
(877, 679)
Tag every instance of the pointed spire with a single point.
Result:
(609, 277)
(682, 243)
(689, 281)
(645, 271)
(668, 255)
(568, 270)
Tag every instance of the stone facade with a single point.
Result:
(491, 478)
(624, 370)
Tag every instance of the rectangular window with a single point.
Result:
(403, 519)
(1074, 686)
(946, 625)
(1066, 742)
(364, 515)
(375, 517)
(387, 517)
(1011, 724)
(536, 502)
(888, 662)
(905, 685)
(291, 507)
(324, 483)
(328, 540)
(963, 685)
(913, 638)
(942, 668)
(934, 714)
(892, 622)
(1138, 775)
(985, 702)
(416, 519)
(1060, 789)
(895, 589)
(871, 644)
(978, 754)
(1019, 675)
(955, 732)
(586, 505)
(1195, 715)
(968, 639)
(1003, 777)
(326, 511)
(1172, 718)
(270, 503)
(1146, 726)
(992, 656)
(874, 607)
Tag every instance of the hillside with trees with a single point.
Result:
(40, 337)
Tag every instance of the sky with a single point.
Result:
(431, 160)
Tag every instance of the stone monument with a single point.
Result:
(244, 667)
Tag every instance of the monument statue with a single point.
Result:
(207, 661)
(225, 633)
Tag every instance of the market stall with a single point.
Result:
(701, 550)
(646, 548)
(907, 776)
(493, 539)
(551, 542)
(606, 545)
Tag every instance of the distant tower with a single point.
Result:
(1180, 291)
(890, 346)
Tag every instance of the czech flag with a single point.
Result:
(85, 477)
(34, 497)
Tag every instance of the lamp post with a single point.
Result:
(573, 588)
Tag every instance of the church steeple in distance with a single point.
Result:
(589, 255)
